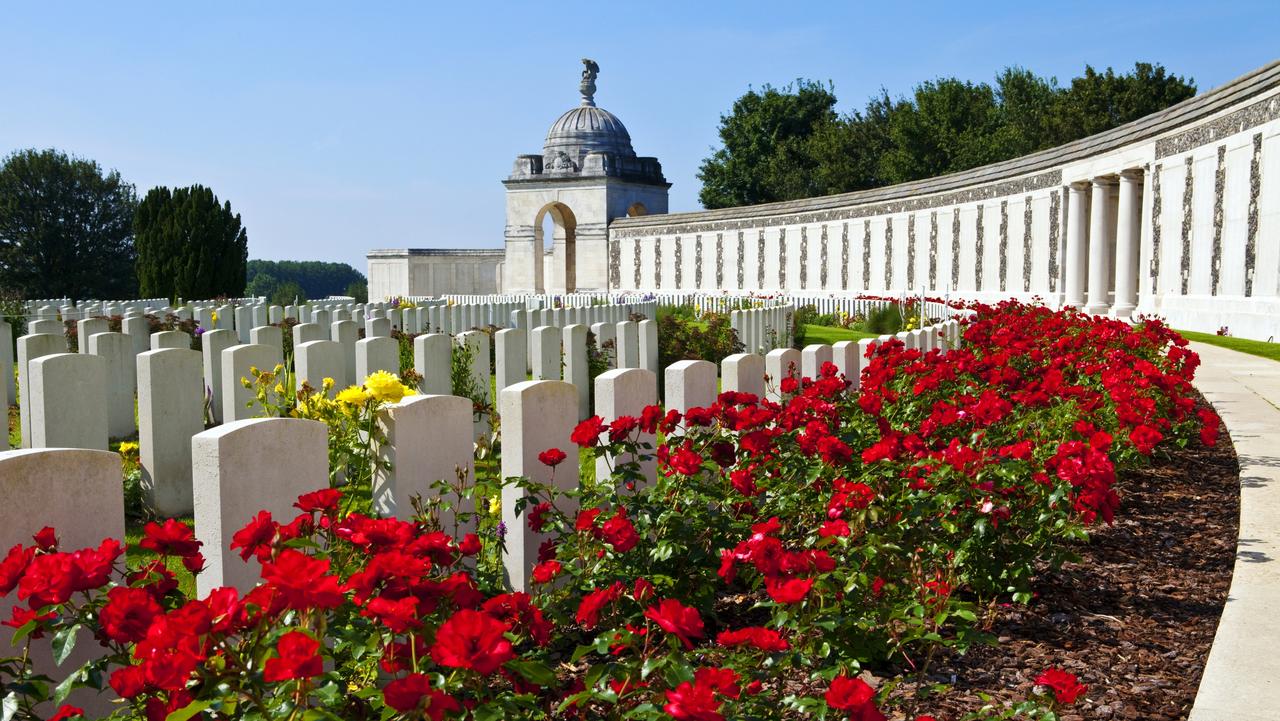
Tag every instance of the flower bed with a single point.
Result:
(783, 551)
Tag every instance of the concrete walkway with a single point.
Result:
(1242, 678)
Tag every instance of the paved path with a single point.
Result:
(1242, 678)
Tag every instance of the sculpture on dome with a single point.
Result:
(587, 87)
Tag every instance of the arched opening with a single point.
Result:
(555, 229)
(636, 210)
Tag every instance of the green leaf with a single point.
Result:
(533, 671)
(70, 682)
(187, 711)
(64, 642)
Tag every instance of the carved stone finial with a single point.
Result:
(588, 85)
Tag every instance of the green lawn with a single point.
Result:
(1259, 348)
(829, 334)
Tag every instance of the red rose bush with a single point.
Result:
(783, 550)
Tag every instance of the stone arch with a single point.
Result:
(563, 276)
(636, 210)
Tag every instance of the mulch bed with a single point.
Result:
(1134, 619)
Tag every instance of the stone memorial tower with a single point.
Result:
(587, 175)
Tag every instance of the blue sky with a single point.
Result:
(334, 128)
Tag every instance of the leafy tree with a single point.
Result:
(288, 293)
(261, 285)
(359, 290)
(189, 245)
(65, 228)
(764, 140)
(789, 143)
(318, 279)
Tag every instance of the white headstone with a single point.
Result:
(378, 353)
(432, 361)
(10, 391)
(605, 344)
(346, 333)
(170, 412)
(68, 401)
(844, 354)
(576, 371)
(319, 359)
(628, 344)
(780, 363)
(416, 467)
(30, 347)
(690, 384)
(626, 392)
(170, 339)
(122, 377)
(536, 416)
(212, 344)
(306, 332)
(812, 358)
(509, 358)
(236, 364)
(546, 353)
(648, 337)
(237, 471)
(138, 328)
(377, 328)
(89, 327)
(268, 335)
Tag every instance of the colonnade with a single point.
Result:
(1104, 226)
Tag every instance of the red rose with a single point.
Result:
(855, 696)
(676, 619)
(404, 694)
(619, 533)
(538, 516)
(470, 545)
(303, 581)
(128, 614)
(256, 537)
(298, 658)
(128, 682)
(174, 538)
(67, 711)
(791, 590)
(594, 602)
(1145, 438)
(323, 500)
(552, 457)
(587, 433)
(685, 461)
(689, 702)
(586, 520)
(837, 528)
(1065, 686)
(546, 571)
(643, 590)
(765, 639)
(13, 566)
(474, 640)
(46, 539)
(50, 578)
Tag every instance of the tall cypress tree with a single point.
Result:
(189, 245)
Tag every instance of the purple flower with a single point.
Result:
(199, 331)
(502, 530)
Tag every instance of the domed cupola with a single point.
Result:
(588, 141)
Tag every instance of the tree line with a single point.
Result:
(68, 229)
(789, 143)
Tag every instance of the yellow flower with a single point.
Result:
(495, 505)
(215, 316)
(279, 389)
(354, 395)
(128, 449)
(385, 386)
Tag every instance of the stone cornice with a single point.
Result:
(1184, 126)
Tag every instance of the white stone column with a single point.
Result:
(1101, 240)
(1129, 217)
(1076, 250)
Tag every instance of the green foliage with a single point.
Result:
(65, 228)
(789, 143)
(317, 279)
(680, 338)
(288, 293)
(359, 290)
(885, 320)
(189, 245)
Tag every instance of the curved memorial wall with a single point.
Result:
(1176, 214)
